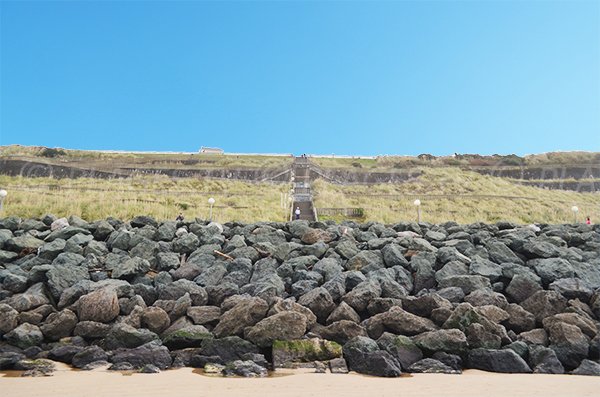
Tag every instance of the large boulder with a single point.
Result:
(366, 261)
(189, 336)
(61, 277)
(341, 331)
(500, 253)
(467, 283)
(319, 301)
(9, 318)
(522, 286)
(587, 367)
(59, 325)
(573, 288)
(544, 304)
(281, 326)
(311, 236)
(432, 366)
(178, 289)
(155, 319)
(286, 353)
(227, 349)
(101, 305)
(505, 360)
(88, 355)
(552, 269)
(362, 294)
(286, 305)
(399, 321)
(402, 348)
(150, 353)
(24, 242)
(363, 356)
(35, 296)
(245, 313)
(124, 335)
(569, 343)
(452, 341)
(544, 360)
(130, 268)
(24, 336)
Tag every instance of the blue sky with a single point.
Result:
(302, 77)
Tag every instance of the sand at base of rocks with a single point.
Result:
(300, 383)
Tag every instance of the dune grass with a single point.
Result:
(388, 163)
(451, 194)
(160, 197)
(110, 160)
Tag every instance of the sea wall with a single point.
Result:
(240, 299)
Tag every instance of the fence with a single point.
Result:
(347, 212)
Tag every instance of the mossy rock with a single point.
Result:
(287, 352)
(187, 337)
(462, 320)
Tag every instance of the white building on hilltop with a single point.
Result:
(211, 150)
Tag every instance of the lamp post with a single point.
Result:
(417, 204)
(575, 211)
(3, 194)
(211, 202)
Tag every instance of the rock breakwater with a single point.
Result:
(239, 299)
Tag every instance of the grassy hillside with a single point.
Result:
(451, 194)
(160, 197)
(109, 161)
(460, 160)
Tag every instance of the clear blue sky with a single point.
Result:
(316, 77)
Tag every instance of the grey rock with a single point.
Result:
(402, 348)
(88, 355)
(521, 287)
(431, 366)
(319, 301)
(544, 304)
(363, 356)
(506, 361)
(587, 367)
(569, 343)
(544, 360)
(24, 336)
(467, 283)
(150, 353)
(59, 325)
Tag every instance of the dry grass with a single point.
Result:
(461, 160)
(160, 197)
(449, 194)
(100, 160)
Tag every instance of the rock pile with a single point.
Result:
(239, 299)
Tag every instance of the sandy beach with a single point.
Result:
(305, 383)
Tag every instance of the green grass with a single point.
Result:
(451, 194)
(160, 197)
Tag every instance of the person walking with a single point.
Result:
(297, 213)
(588, 221)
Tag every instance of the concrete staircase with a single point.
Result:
(302, 196)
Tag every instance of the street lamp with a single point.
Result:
(575, 211)
(211, 201)
(417, 204)
(3, 194)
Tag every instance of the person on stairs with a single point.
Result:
(297, 212)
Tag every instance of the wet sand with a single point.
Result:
(305, 383)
